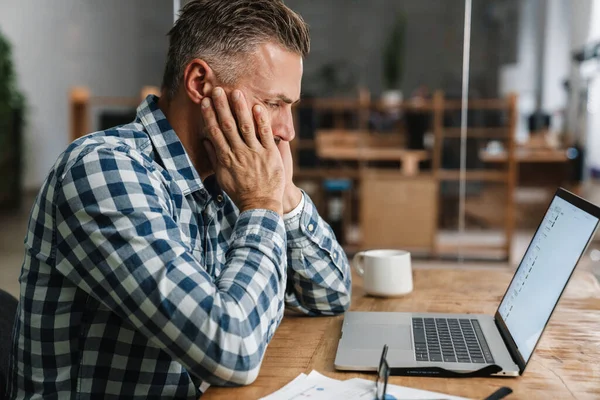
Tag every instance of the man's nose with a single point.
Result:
(284, 127)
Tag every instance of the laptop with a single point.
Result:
(464, 345)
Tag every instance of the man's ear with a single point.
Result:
(198, 80)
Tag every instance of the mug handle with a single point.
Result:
(357, 262)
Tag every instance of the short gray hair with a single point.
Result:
(220, 31)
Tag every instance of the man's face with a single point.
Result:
(274, 81)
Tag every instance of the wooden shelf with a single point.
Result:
(353, 173)
(487, 133)
(368, 154)
(393, 174)
(115, 101)
(320, 173)
(473, 175)
(524, 155)
(437, 107)
(425, 106)
(477, 104)
(81, 101)
(345, 104)
(305, 144)
(340, 104)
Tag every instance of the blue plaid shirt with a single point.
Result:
(142, 281)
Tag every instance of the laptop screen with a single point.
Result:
(544, 272)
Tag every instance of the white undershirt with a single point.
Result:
(297, 210)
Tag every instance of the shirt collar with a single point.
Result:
(168, 146)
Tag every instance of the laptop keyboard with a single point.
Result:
(450, 340)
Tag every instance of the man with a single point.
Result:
(160, 254)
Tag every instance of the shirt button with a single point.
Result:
(335, 256)
(219, 198)
(311, 227)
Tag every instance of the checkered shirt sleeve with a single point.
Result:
(118, 241)
(319, 278)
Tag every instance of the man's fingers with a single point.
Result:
(264, 127)
(225, 117)
(244, 119)
(213, 131)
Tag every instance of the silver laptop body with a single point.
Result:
(478, 345)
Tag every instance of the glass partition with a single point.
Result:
(440, 127)
(530, 119)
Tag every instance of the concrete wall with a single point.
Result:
(543, 58)
(115, 47)
(351, 33)
(556, 58)
(522, 76)
(593, 105)
(112, 46)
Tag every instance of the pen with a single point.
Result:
(499, 394)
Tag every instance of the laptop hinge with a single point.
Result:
(510, 346)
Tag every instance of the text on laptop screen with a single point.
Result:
(544, 272)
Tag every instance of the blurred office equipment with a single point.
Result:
(338, 205)
(492, 201)
(587, 60)
(404, 189)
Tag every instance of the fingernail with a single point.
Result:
(217, 92)
(205, 102)
(258, 109)
(237, 94)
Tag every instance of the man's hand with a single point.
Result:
(292, 195)
(249, 170)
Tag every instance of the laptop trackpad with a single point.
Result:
(397, 337)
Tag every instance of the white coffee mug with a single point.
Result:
(385, 272)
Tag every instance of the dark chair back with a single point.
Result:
(8, 310)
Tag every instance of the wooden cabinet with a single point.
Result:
(397, 211)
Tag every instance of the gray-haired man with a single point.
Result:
(160, 254)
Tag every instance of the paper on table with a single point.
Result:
(306, 386)
(287, 388)
(319, 387)
(364, 389)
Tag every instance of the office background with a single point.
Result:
(525, 49)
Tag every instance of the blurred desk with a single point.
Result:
(527, 155)
(389, 198)
(542, 168)
(409, 159)
(361, 146)
(564, 366)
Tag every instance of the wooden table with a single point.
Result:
(409, 159)
(545, 168)
(566, 364)
(527, 155)
(362, 146)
